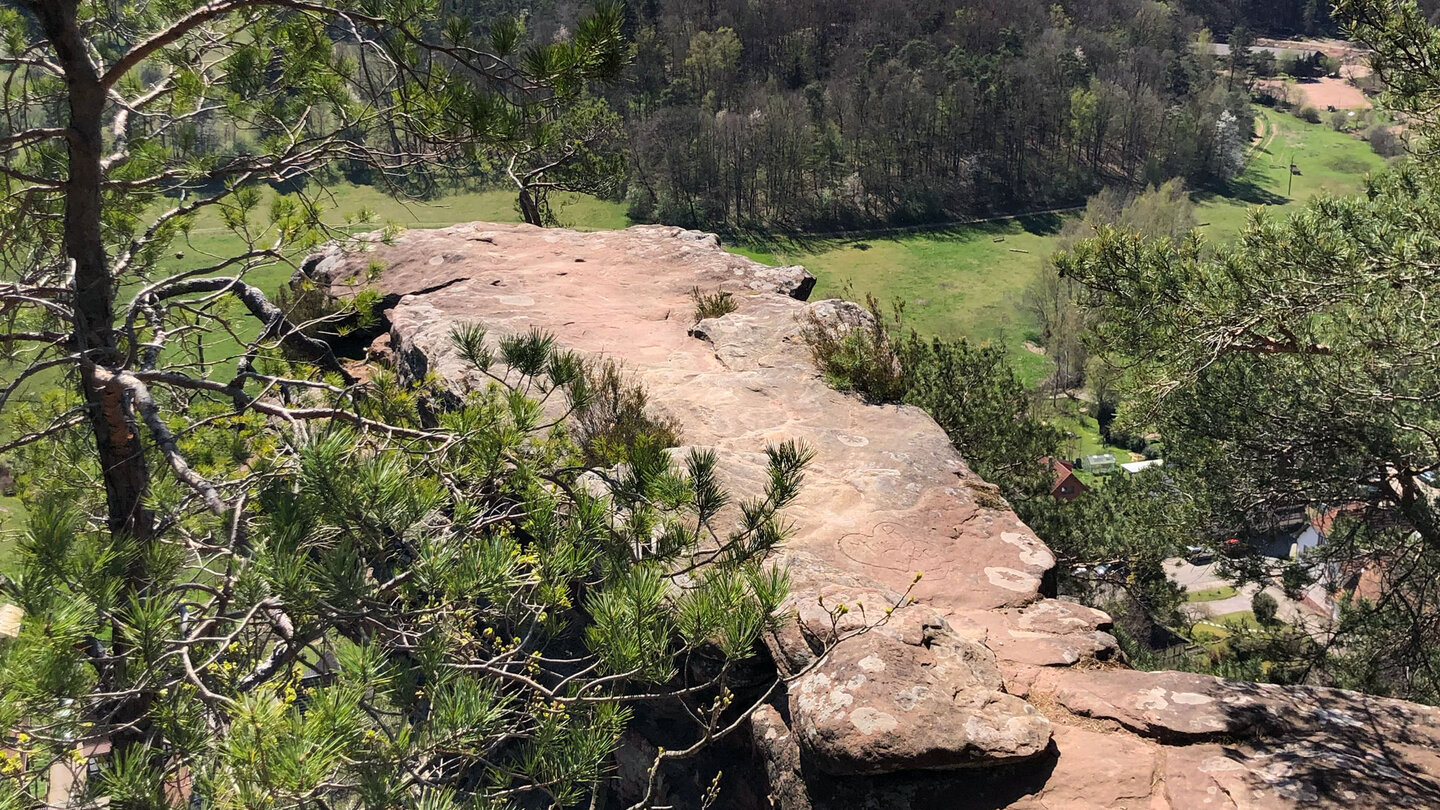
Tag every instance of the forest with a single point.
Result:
(830, 115)
(739, 116)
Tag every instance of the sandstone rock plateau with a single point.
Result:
(984, 692)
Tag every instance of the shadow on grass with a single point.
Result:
(1042, 224)
(1045, 224)
(1242, 189)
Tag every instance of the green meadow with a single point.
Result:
(968, 280)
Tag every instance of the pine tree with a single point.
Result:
(1297, 369)
(255, 579)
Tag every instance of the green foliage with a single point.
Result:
(315, 312)
(855, 348)
(1297, 368)
(259, 579)
(1155, 212)
(712, 305)
(612, 416)
(471, 592)
(1131, 525)
(1265, 608)
(987, 413)
(578, 149)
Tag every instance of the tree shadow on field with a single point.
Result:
(1242, 189)
(968, 232)
(1042, 224)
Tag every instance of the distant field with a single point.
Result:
(967, 281)
(959, 282)
(210, 238)
(1329, 162)
(1211, 594)
(345, 202)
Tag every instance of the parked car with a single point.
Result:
(1199, 555)
(1114, 570)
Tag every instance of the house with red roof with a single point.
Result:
(1067, 485)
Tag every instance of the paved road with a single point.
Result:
(1195, 577)
(1202, 577)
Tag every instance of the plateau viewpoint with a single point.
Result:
(980, 690)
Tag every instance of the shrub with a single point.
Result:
(612, 414)
(1385, 141)
(857, 353)
(972, 392)
(1340, 120)
(334, 320)
(1265, 608)
(712, 305)
(1309, 114)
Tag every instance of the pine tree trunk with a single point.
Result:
(117, 437)
(530, 208)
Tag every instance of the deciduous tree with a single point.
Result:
(1297, 369)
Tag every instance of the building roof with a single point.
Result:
(1136, 466)
(1066, 485)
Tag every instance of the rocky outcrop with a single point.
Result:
(982, 693)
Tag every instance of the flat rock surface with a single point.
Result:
(887, 496)
(982, 673)
(1183, 706)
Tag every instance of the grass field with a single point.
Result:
(1329, 162)
(1211, 594)
(959, 282)
(345, 204)
(967, 281)
(1221, 627)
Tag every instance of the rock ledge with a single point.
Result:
(938, 707)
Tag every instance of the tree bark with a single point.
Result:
(530, 209)
(108, 405)
(117, 435)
